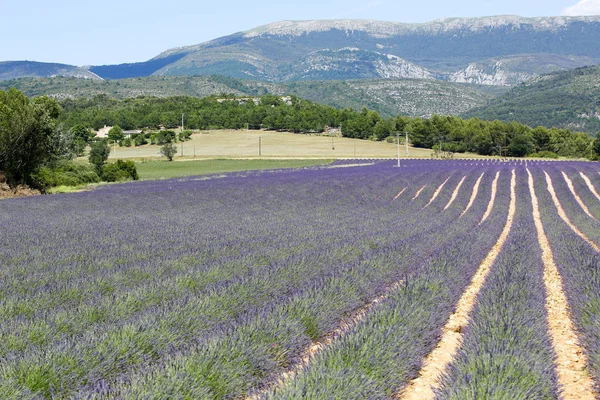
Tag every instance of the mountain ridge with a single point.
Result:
(497, 50)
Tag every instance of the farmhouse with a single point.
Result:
(103, 132)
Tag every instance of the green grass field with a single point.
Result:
(162, 169)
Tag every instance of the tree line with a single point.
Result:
(39, 132)
(445, 133)
(36, 149)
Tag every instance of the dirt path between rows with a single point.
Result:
(318, 346)
(455, 193)
(419, 192)
(436, 363)
(577, 198)
(437, 192)
(492, 199)
(571, 362)
(589, 184)
(473, 195)
(400, 193)
(563, 215)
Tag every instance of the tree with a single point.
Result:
(168, 150)
(99, 154)
(115, 134)
(29, 136)
(82, 132)
(520, 146)
(79, 146)
(596, 147)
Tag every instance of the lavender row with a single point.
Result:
(128, 344)
(192, 281)
(572, 209)
(507, 352)
(317, 307)
(579, 267)
(384, 351)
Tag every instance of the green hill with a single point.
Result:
(567, 99)
(412, 97)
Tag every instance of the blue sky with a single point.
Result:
(111, 32)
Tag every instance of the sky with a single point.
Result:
(120, 31)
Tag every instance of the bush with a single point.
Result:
(544, 154)
(139, 139)
(99, 152)
(127, 142)
(185, 135)
(66, 173)
(168, 150)
(120, 171)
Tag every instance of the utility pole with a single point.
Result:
(182, 129)
(398, 147)
(406, 143)
(259, 146)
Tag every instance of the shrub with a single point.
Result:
(139, 139)
(66, 173)
(99, 152)
(120, 171)
(544, 154)
(185, 135)
(168, 150)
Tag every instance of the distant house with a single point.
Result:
(128, 134)
(103, 132)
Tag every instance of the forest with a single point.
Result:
(293, 114)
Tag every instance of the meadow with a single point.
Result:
(271, 144)
(445, 279)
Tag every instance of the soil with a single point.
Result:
(571, 362)
(577, 198)
(318, 346)
(492, 199)
(20, 191)
(437, 192)
(455, 193)
(589, 184)
(436, 363)
(418, 192)
(473, 195)
(563, 215)
(399, 193)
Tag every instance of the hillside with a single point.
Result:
(568, 99)
(413, 97)
(502, 50)
(22, 69)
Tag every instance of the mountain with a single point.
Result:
(413, 97)
(512, 70)
(566, 99)
(502, 50)
(22, 69)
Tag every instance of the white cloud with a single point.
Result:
(583, 7)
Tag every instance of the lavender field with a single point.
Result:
(334, 282)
